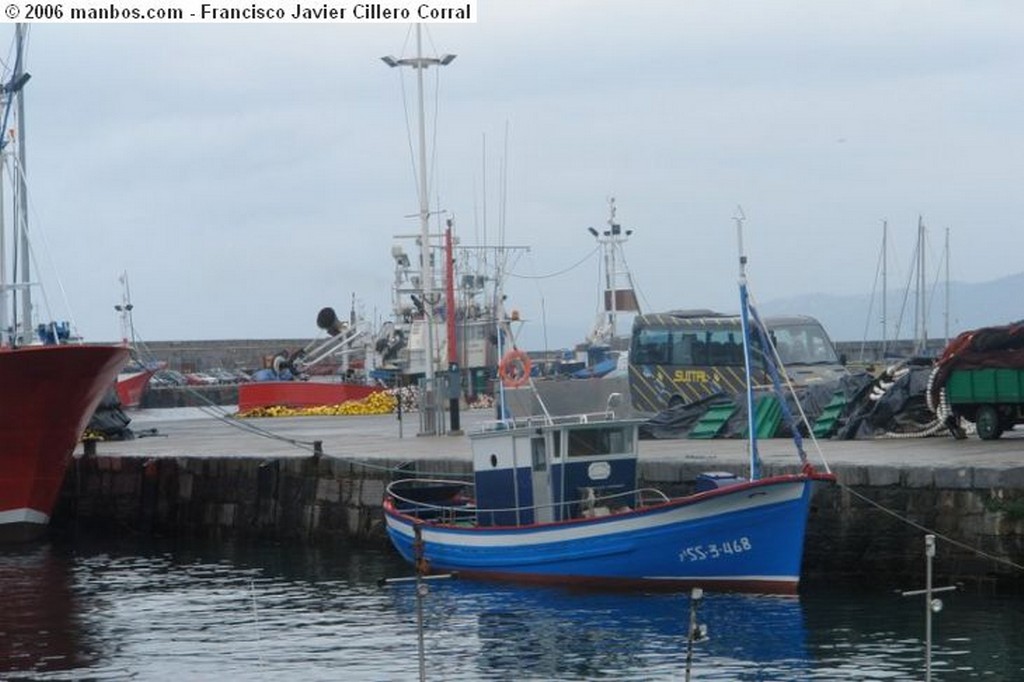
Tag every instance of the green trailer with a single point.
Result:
(992, 398)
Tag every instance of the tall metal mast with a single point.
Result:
(3, 253)
(615, 300)
(420, 63)
(885, 286)
(10, 90)
(20, 169)
(921, 316)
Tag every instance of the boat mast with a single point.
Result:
(3, 251)
(947, 287)
(125, 310)
(420, 63)
(614, 300)
(21, 204)
(19, 243)
(921, 316)
(755, 460)
(885, 285)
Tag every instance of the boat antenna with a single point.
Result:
(755, 460)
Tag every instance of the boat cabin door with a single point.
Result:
(540, 454)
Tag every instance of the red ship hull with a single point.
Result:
(47, 396)
(299, 394)
(131, 385)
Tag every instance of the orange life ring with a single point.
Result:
(514, 368)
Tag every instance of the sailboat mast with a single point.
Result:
(885, 285)
(947, 287)
(755, 460)
(923, 290)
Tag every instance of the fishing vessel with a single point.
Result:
(445, 298)
(560, 500)
(133, 379)
(132, 382)
(320, 373)
(598, 367)
(49, 386)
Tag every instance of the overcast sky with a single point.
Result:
(245, 176)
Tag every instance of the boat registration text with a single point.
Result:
(712, 550)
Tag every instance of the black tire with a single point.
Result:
(988, 423)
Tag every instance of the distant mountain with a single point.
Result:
(971, 305)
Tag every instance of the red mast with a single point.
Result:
(449, 276)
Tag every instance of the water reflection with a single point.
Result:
(549, 633)
(38, 629)
(160, 611)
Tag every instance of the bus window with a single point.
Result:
(725, 349)
(652, 347)
(683, 348)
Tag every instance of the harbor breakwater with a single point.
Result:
(326, 499)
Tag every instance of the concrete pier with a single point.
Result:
(321, 479)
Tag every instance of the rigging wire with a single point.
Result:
(871, 303)
(937, 534)
(17, 174)
(408, 125)
(559, 272)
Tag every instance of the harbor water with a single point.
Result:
(143, 609)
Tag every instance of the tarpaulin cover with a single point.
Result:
(677, 422)
(901, 408)
(109, 419)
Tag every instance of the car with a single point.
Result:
(222, 376)
(199, 379)
(168, 377)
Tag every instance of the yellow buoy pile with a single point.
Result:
(382, 402)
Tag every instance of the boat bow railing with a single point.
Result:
(449, 512)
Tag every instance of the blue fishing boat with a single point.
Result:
(556, 500)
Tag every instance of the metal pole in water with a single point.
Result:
(931, 604)
(421, 590)
(695, 632)
(421, 578)
(929, 552)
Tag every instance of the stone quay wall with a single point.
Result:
(330, 500)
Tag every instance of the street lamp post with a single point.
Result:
(420, 63)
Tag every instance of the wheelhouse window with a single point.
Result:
(596, 442)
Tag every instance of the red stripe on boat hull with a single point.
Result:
(47, 394)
